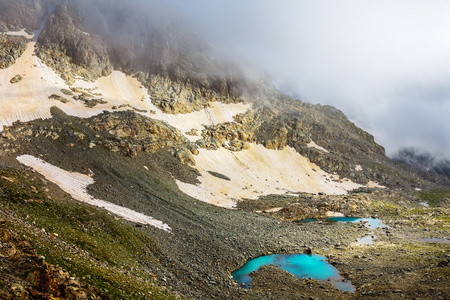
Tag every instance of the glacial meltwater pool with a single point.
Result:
(368, 222)
(301, 265)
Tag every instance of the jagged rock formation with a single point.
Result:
(18, 14)
(134, 134)
(181, 73)
(70, 51)
(11, 49)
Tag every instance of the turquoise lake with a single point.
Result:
(368, 222)
(300, 265)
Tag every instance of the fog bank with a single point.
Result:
(386, 64)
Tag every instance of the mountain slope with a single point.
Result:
(121, 115)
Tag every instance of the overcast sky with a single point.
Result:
(385, 63)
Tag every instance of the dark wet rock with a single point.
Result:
(218, 175)
(16, 15)
(17, 78)
(58, 97)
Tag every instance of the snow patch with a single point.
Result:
(28, 100)
(20, 33)
(358, 168)
(76, 185)
(334, 214)
(273, 210)
(118, 89)
(374, 184)
(256, 172)
(312, 144)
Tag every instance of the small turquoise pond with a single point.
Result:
(300, 265)
(369, 222)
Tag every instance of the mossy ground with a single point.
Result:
(95, 246)
(434, 197)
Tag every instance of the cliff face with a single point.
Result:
(70, 51)
(91, 38)
(19, 14)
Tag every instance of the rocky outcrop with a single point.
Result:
(133, 133)
(322, 206)
(70, 51)
(125, 132)
(182, 97)
(18, 14)
(232, 136)
(91, 38)
(17, 78)
(25, 275)
(11, 48)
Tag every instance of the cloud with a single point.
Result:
(385, 63)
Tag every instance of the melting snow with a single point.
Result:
(374, 184)
(76, 185)
(20, 33)
(256, 172)
(312, 144)
(28, 100)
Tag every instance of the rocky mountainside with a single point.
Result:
(12, 48)
(115, 113)
(91, 38)
(22, 14)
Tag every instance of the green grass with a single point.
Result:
(434, 196)
(103, 250)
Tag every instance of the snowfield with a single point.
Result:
(256, 172)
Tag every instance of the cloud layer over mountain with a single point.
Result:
(385, 63)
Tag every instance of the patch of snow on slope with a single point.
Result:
(256, 172)
(118, 89)
(27, 99)
(374, 184)
(76, 185)
(312, 144)
(20, 33)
